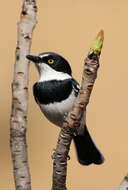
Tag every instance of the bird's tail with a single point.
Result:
(87, 152)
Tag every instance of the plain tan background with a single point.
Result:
(68, 27)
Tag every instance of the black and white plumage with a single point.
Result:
(55, 93)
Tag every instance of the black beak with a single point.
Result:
(35, 59)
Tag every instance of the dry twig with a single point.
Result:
(72, 121)
(18, 120)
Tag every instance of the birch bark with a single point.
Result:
(124, 183)
(72, 121)
(18, 119)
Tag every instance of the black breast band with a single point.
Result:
(52, 91)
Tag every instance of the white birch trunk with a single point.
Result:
(18, 120)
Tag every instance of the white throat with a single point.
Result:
(47, 73)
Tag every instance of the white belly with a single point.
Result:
(55, 112)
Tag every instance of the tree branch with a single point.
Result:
(18, 120)
(72, 121)
(124, 183)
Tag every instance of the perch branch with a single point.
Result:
(18, 120)
(72, 121)
(124, 183)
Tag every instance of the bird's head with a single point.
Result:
(48, 60)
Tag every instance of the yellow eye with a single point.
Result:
(51, 61)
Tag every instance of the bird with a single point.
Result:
(55, 93)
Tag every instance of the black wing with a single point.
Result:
(76, 87)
